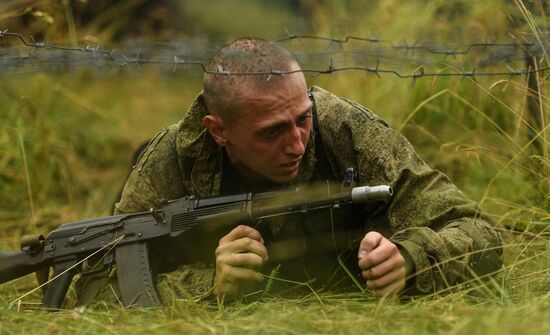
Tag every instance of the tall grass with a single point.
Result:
(75, 138)
(66, 140)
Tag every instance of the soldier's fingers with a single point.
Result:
(381, 253)
(243, 260)
(391, 289)
(369, 242)
(244, 274)
(395, 261)
(387, 279)
(242, 245)
(240, 232)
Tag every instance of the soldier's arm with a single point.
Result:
(458, 243)
(440, 231)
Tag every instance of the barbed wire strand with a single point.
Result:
(123, 60)
(412, 47)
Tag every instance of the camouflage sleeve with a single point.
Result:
(155, 177)
(438, 228)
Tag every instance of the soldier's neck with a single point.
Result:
(250, 180)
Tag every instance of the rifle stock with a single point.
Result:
(18, 264)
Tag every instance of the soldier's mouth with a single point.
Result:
(291, 166)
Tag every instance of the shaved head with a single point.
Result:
(223, 93)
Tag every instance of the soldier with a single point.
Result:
(253, 133)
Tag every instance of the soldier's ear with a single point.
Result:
(215, 127)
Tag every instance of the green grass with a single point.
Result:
(454, 313)
(66, 141)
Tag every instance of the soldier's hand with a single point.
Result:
(382, 264)
(238, 255)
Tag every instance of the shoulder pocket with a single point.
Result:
(151, 146)
(365, 110)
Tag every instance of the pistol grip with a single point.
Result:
(57, 288)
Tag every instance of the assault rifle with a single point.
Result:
(126, 239)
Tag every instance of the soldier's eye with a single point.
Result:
(272, 133)
(304, 119)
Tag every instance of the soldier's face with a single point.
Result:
(269, 138)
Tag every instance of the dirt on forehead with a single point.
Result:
(225, 95)
(251, 55)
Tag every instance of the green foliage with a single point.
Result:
(74, 141)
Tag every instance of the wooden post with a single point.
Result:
(534, 108)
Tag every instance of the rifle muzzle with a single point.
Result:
(371, 193)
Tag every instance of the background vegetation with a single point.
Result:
(66, 139)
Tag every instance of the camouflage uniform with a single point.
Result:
(440, 231)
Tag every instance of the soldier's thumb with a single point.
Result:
(369, 243)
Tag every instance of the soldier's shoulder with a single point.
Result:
(333, 108)
(161, 149)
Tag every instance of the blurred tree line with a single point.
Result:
(89, 21)
(106, 21)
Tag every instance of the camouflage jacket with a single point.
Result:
(440, 231)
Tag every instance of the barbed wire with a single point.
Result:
(528, 47)
(176, 60)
